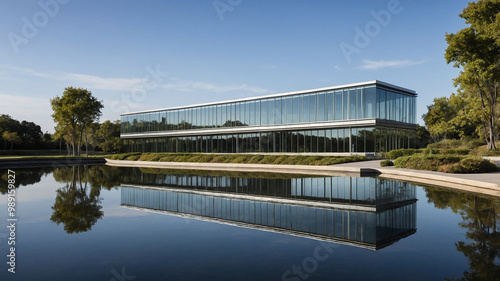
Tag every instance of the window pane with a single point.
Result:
(271, 111)
(289, 110)
(345, 107)
(252, 113)
(369, 102)
(321, 107)
(263, 112)
(359, 104)
(352, 104)
(304, 116)
(312, 108)
(277, 111)
(338, 105)
(296, 110)
(329, 106)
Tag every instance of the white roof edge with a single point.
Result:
(373, 82)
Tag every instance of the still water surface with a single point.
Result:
(109, 223)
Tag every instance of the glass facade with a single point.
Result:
(330, 109)
(347, 140)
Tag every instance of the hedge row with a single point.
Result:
(239, 158)
(446, 163)
(394, 154)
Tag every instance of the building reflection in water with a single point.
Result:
(367, 212)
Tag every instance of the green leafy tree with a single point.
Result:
(423, 136)
(110, 136)
(453, 117)
(476, 50)
(439, 116)
(92, 138)
(31, 135)
(73, 113)
(12, 138)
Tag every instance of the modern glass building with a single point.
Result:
(363, 118)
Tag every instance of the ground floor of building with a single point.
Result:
(368, 140)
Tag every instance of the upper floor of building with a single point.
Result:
(368, 100)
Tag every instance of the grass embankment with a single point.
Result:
(239, 158)
(448, 157)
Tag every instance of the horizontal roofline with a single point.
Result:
(367, 83)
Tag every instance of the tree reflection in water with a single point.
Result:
(24, 177)
(481, 219)
(78, 203)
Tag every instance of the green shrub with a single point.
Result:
(484, 151)
(394, 154)
(471, 144)
(451, 168)
(280, 159)
(477, 165)
(133, 157)
(124, 156)
(165, 159)
(386, 163)
(430, 151)
(426, 162)
(445, 144)
(268, 159)
(456, 151)
(240, 159)
(150, 157)
(254, 159)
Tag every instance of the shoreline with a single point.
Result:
(35, 162)
(466, 182)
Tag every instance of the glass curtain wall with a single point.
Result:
(343, 140)
(336, 105)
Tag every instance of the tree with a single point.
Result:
(12, 138)
(110, 136)
(476, 49)
(423, 136)
(31, 135)
(453, 117)
(92, 137)
(438, 118)
(73, 113)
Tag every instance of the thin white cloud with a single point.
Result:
(129, 84)
(102, 83)
(269, 66)
(85, 80)
(376, 65)
(190, 86)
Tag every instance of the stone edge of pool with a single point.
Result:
(486, 184)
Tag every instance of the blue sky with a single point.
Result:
(139, 55)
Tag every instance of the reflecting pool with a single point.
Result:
(110, 223)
